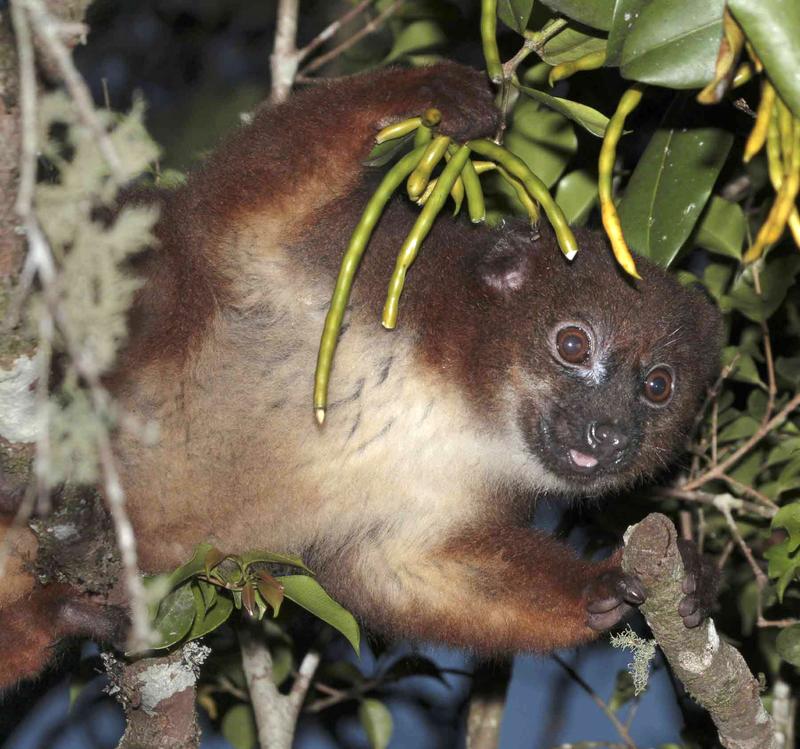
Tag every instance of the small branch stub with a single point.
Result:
(713, 672)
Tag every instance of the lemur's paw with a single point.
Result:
(699, 585)
(611, 597)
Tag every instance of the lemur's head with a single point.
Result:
(603, 375)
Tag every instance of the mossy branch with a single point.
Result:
(714, 672)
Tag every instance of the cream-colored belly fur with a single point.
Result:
(242, 463)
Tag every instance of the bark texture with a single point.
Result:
(713, 672)
(158, 696)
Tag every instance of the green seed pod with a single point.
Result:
(408, 252)
(517, 168)
(419, 178)
(352, 257)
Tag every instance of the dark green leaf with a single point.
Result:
(416, 37)
(745, 369)
(382, 153)
(669, 189)
(786, 449)
(773, 28)
(624, 691)
(175, 616)
(595, 13)
(588, 118)
(626, 12)
(208, 591)
(788, 518)
(282, 662)
(239, 727)
(674, 43)
(576, 195)
(414, 665)
(788, 367)
(742, 428)
(776, 277)
(515, 13)
(788, 644)
(543, 139)
(308, 593)
(377, 722)
(722, 228)
(251, 557)
(193, 567)
(212, 618)
(569, 45)
(716, 277)
(749, 467)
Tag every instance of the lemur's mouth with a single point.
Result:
(582, 460)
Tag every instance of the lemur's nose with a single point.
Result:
(608, 440)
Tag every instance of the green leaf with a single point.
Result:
(722, 228)
(741, 428)
(414, 665)
(745, 369)
(716, 277)
(773, 28)
(624, 691)
(213, 617)
(175, 616)
(788, 644)
(515, 13)
(377, 722)
(674, 43)
(669, 189)
(781, 565)
(786, 449)
(576, 195)
(417, 36)
(382, 153)
(586, 117)
(252, 557)
(788, 518)
(543, 139)
(569, 45)
(239, 727)
(626, 12)
(193, 567)
(596, 13)
(776, 277)
(308, 593)
(282, 662)
(788, 367)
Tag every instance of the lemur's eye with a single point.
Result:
(658, 385)
(573, 345)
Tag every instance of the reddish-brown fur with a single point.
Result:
(411, 502)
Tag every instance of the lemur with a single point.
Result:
(513, 374)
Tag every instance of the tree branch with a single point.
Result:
(276, 714)
(158, 696)
(284, 59)
(713, 672)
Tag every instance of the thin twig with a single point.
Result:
(284, 59)
(48, 30)
(332, 29)
(722, 468)
(371, 26)
(772, 387)
(615, 721)
(40, 264)
(706, 498)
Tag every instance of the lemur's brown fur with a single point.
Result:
(411, 502)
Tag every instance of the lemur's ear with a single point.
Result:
(504, 267)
